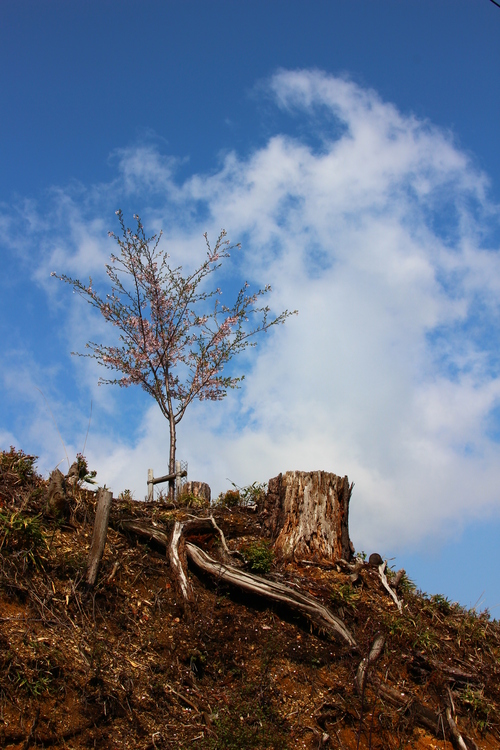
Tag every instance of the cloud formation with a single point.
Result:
(378, 228)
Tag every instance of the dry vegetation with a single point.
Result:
(122, 665)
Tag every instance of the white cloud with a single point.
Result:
(371, 229)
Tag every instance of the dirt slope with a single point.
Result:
(123, 666)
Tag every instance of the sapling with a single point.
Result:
(176, 336)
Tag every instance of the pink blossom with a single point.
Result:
(171, 344)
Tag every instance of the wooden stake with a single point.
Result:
(104, 499)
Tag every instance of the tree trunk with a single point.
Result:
(307, 515)
(171, 462)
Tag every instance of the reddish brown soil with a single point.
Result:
(122, 666)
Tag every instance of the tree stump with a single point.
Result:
(199, 490)
(307, 515)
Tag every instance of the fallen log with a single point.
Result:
(271, 590)
(148, 530)
(277, 592)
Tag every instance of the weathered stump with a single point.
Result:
(307, 515)
(57, 499)
(60, 492)
(200, 490)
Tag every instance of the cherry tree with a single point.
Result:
(176, 336)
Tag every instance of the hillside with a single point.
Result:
(125, 665)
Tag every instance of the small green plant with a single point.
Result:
(22, 535)
(34, 685)
(259, 556)
(247, 724)
(476, 703)
(188, 500)
(442, 603)
(252, 493)
(244, 496)
(229, 499)
(345, 595)
(406, 585)
(471, 628)
(425, 639)
(126, 495)
(402, 627)
(84, 475)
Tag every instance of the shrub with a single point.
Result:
(481, 709)
(188, 500)
(19, 463)
(84, 474)
(244, 496)
(229, 499)
(22, 536)
(259, 556)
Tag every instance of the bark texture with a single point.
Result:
(307, 515)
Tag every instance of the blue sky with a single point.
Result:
(352, 147)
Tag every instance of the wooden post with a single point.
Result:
(177, 476)
(177, 479)
(104, 499)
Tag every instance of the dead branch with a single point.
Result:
(422, 662)
(423, 716)
(397, 578)
(148, 530)
(375, 651)
(321, 565)
(456, 737)
(229, 553)
(183, 698)
(175, 551)
(272, 590)
(385, 584)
